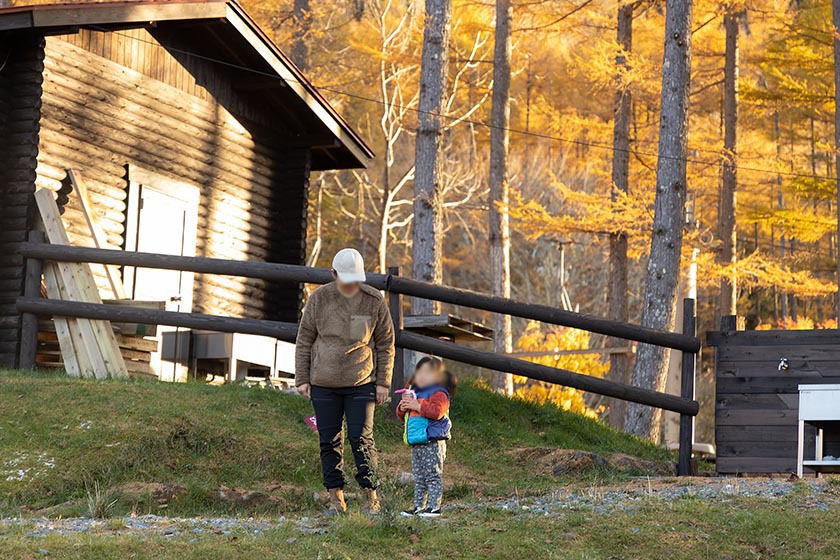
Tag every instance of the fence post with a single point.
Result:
(395, 305)
(689, 327)
(29, 321)
(730, 323)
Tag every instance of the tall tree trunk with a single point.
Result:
(726, 220)
(385, 209)
(499, 218)
(669, 215)
(777, 127)
(428, 221)
(315, 250)
(835, 17)
(617, 291)
(302, 16)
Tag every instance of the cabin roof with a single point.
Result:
(221, 31)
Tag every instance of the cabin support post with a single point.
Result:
(29, 321)
(685, 467)
(395, 305)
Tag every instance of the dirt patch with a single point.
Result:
(560, 462)
(625, 462)
(241, 497)
(162, 493)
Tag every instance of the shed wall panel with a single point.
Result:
(757, 404)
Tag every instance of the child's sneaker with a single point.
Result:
(429, 512)
(409, 512)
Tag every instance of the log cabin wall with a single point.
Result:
(112, 100)
(757, 405)
(20, 94)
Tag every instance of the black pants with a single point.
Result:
(332, 406)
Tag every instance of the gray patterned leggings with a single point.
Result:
(427, 469)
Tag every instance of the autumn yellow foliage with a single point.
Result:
(536, 339)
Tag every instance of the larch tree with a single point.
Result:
(728, 298)
(663, 269)
(617, 291)
(302, 16)
(428, 219)
(499, 189)
(835, 19)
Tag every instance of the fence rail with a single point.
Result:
(406, 339)
(388, 282)
(32, 305)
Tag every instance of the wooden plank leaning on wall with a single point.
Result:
(97, 235)
(74, 282)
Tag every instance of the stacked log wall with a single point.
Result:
(109, 103)
(20, 100)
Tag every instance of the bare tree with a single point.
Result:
(499, 190)
(726, 217)
(617, 291)
(663, 269)
(393, 76)
(428, 220)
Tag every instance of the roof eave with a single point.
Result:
(44, 17)
(295, 79)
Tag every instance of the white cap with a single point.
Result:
(349, 266)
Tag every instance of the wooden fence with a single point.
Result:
(31, 305)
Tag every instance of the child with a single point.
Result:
(424, 408)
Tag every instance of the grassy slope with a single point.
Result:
(204, 437)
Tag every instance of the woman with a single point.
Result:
(344, 358)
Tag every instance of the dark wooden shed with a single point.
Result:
(757, 375)
(195, 133)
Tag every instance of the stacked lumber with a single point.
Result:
(89, 347)
(136, 350)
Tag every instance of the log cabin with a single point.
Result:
(195, 135)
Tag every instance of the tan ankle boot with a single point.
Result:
(371, 505)
(337, 504)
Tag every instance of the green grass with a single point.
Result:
(684, 529)
(63, 439)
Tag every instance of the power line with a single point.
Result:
(444, 116)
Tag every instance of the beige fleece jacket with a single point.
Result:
(344, 342)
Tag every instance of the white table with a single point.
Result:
(819, 405)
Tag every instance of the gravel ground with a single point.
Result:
(627, 497)
(631, 496)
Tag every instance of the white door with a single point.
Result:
(164, 221)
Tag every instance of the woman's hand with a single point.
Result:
(382, 394)
(305, 389)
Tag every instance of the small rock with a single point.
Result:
(291, 540)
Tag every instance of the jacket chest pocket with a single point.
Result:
(360, 327)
